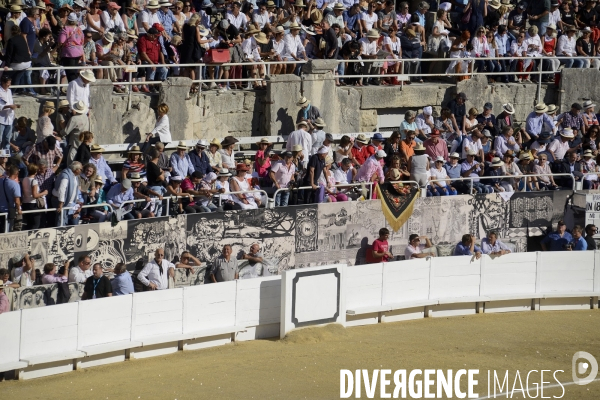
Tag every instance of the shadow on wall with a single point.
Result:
(287, 122)
(132, 132)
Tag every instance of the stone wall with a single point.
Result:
(274, 111)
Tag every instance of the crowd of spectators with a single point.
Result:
(138, 34)
(451, 152)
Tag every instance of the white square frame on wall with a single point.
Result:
(312, 296)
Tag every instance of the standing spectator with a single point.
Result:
(10, 197)
(7, 113)
(18, 58)
(558, 240)
(579, 243)
(492, 246)
(47, 151)
(66, 194)
(457, 106)
(262, 159)
(371, 170)
(467, 247)
(4, 303)
(149, 52)
(590, 231)
(381, 251)
(415, 248)
(81, 271)
(161, 130)
(282, 176)
(79, 89)
(573, 120)
(78, 123)
(224, 268)
(31, 195)
(23, 271)
(308, 113)
(155, 275)
(51, 276)
(122, 283)
(97, 286)
(419, 165)
(71, 40)
(539, 14)
(300, 137)
(316, 166)
(254, 256)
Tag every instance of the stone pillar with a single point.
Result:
(174, 92)
(283, 92)
(105, 121)
(577, 85)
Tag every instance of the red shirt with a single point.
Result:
(381, 246)
(360, 155)
(150, 47)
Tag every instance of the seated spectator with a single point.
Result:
(371, 170)
(467, 247)
(80, 149)
(122, 283)
(559, 147)
(344, 175)
(525, 164)
(492, 246)
(589, 115)
(506, 141)
(181, 162)
(372, 147)
(473, 169)
(155, 274)
(102, 213)
(4, 303)
(590, 231)
(227, 156)
(410, 124)
(472, 143)
(457, 106)
(425, 122)
(447, 126)
(579, 243)
(97, 286)
(327, 182)
(214, 156)
(539, 146)
(381, 251)
(81, 271)
(435, 146)
(120, 197)
(566, 47)
(486, 145)
(202, 189)
(23, 271)
(262, 160)
(181, 202)
(415, 248)
(282, 176)
(391, 147)
(225, 268)
(454, 170)
(102, 167)
(572, 165)
(538, 121)
(5, 277)
(590, 181)
(51, 276)
(488, 120)
(495, 169)
(557, 240)
(199, 158)
(440, 185)
(148, 208)
(134, 163)
(359, 149)
(543, 167)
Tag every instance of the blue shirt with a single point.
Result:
(181, 166)
(167, 19)
(464, 250)
(122, 284)
(453, 172)
(421, 18)
(488, 248)
(12, 190)
(556, 242)
(537, 123)
(580, 244)
(200, 162)
(28, 29)
(350, 20)
(116, 197)
(103, 169)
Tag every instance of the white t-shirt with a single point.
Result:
(369, 20)
(342, 177)
(28, 190)
(409, 251)
(436, 174)
(470, 144)
(17, 273)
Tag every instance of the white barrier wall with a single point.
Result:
(258, 307)
(566, 271)
(10, 336)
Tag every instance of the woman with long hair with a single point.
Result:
(31, 194)
(459, 50)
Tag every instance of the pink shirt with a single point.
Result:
(370, 167)
(48, 279)
(71, 37)
(283, 174)
(4, 305)
(435, 150)
(261, 169)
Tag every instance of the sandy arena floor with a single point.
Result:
(307, 363)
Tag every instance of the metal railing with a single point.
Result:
(241, 192)
(502, 177)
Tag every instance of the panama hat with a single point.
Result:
(252, 31)
(264, 141)
(131, 34)
(224, 172)
(541, 108)
(316, 16)
(202, 143)
(49, 104)
(96, 148)
(508, 108)
(297, 147)
(215, 142)
(294, 25)
(588, 104)
(182, 145)
(551, 108)
(99, 179)
(525, 156)
(135, 150)
(339, 6)
(495, 4)
(299, 4)
(4, 153)
(278, 29)
(567, 132)
(153, 4)
(302, 102)
(440, 159)
(88, 75)
(203, 31)
(362, 138)
(497, 162)
(320, 122)
(135, 177)
(419, 147)
(109, 37)
(471, 152)
(262, 38)
(228, 140)
(588, 153)
(80, 107)
(63, 103)
(551, 26)
(302, 123)
(454, 155)
(373, 33)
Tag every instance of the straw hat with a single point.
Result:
(373, 34)
(15, 9)
(202, 143)
(99, 179)
(525, 156)
(339, 6)
(588, 104)
(508, 108)
(440, 159)
(96, 148)
(88, 75)
(395, 174)
(320, 123)
(362, 138)
(303, 102)
(153, 4)
(299, 4)
(215, 142)
(131, 34)
(135, 150)
(264, 141)
(541, 108)
(135, 177)
(252, 31)
(80, 107)
(294, 25)
(302, 123)
(497, 162)
(109, 37)
(419, 147)
(471, 152)
(224, 172)
(63, 103)
(262, 38)
(316, 16)
(278, 29)
(567, 133)
(551, 108)
(454, 155)
(49, 104)
(181, 145)
(588, 153)
(495, 4)
(203, 31)
(297, 147)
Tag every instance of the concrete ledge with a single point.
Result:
(174, 337)
(109, 347)
(12, 365)
(211, 332)
(54, 357)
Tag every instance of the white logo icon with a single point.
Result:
(582, 368)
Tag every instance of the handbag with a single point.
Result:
(466, 17)
(217, 56)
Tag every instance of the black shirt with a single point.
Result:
(586, 47)
(590, 242)
(152, 173)
(459, 111)
(318, 164)
(587, 17)
(567, 18)
(102, 287)
(518, 19)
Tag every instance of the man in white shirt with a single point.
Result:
(565, 47)
(369, 18)
(473, 143)
(415, 248)
(261, 17)
(111, 18)
(368, 51)
(155, 274)
(237, 18)
(7, 114)
(149, 16)
(79, 89)
(22, 271)
(293, 49)
(301, 137)
(425, 120)
(560, 146)
(81, 271)
(344, 175)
